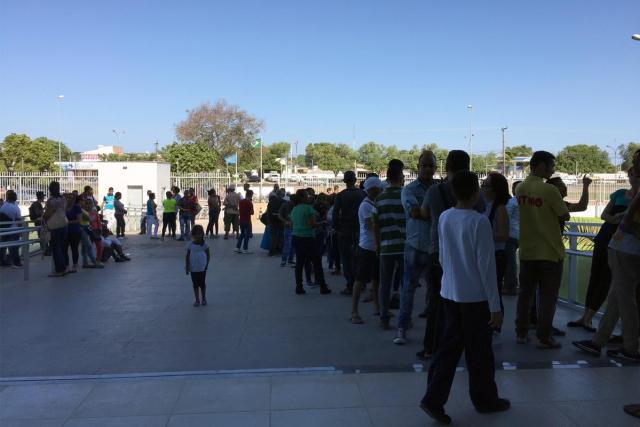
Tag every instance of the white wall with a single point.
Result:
(154, 176)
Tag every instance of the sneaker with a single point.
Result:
(204, 301)
(181, 239)
(324, 290)
(548, 344)
(18, 265)
(292, 264)
(346, 292)
(401, 337)
(237, 250)
(282, 264)
(247, 251)
(523, 339)
(437, 414)
(499, 406)
(623, 355)
(196, 304)
(300, 290)
(423, 355)
(311, 285)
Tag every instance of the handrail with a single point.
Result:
(573, 233)
(23, 242)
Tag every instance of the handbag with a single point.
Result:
(57, 220)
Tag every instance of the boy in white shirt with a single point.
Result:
(470, 304)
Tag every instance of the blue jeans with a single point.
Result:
(185, 226)
(245, 232)
(86, 248)
(388, 264)
(415, 263)
(511, 273)
(287, 247)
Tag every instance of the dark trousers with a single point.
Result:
(277, 237)
(464, 328)
(213, 223)
(169, 221)
(600, 278)
(72, 242)
(389, 265)
(306, 248)
(244, 235)
(120, 225)
(57, 242)
(347, 244)
(199, 278)
(434, 284)
(14, 251)
(545, 277)
(334, 252)
(501, 268)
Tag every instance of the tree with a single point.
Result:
(485, 162)
(625, 154)
(196, 157)
(273, 152)
(373, 156)
(582, 158)
(224, 128)
(19, 153)
(518, 151)
(328, 156)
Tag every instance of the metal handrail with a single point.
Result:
(24, 242)
(573, 233)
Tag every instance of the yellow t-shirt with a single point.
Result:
(541, 206)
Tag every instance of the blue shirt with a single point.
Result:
(150, 207)
(418, 231)
(108, 201)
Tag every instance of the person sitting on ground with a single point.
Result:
(112, 247)
(470, 305)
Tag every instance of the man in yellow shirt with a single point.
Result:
(541, 248)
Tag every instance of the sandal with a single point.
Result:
(356, 320)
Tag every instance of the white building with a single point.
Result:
(133, 179)
(94, 155)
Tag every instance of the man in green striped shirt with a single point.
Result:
(389, 225)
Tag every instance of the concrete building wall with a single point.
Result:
(133, 179)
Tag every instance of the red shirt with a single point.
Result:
(245, 208)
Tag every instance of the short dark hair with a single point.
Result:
(465, 185)
(249, 194)
(540, 157)
(394, 169)
(427, 153)
(11, 196)
(118, 194)
(457, 160)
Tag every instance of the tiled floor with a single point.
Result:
(544, 397)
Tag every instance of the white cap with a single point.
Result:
(372, 182)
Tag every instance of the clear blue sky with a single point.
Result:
(554, 72)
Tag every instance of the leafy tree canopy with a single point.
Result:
(518, 151)
(19, 153)
(625, 154)
(196, 157)
(582, 158)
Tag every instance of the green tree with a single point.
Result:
(582, 158)
(625, 154)
(518, 151)
(328, 156)
(196, 157)
(224, 128)
(19, 153)
(485, 162)
(273, 152)
(373, 156)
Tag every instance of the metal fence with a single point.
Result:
(26, 184)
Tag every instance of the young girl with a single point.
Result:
(196, 263)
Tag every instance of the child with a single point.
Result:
(197, 262)
(470, 304)
(246, 210)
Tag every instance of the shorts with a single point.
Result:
(368, 266)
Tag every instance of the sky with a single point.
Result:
(398, 72)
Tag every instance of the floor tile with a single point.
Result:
(139, 421)
(32, 423)
(391, 389)
(600, 413)
(334, 391)
(224, 395)
(343, 417)
(42, 401)
(221, 419)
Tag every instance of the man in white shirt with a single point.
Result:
(10, 212)
(470, 306)
(368, 261)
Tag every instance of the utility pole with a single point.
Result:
(504, 160)
(470, 108)
(156, 144)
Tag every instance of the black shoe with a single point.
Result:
(499, 406)
(204, 301)
(557, 332)
(300, 290)
(437, 414)
(324, 290)
(384, 324)
(588, 346)
(423, 355)
(196, 304)
(623, 355)
(346, 292)
(615, 340)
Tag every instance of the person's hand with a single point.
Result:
(586, 181)
(496, 320)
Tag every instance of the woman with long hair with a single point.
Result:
(496, 193)
(56, 220)
(74, 232)
(214, 203)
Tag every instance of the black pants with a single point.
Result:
(545, 278)
(169, 220)
(73, 243)
(501, 269)
(464, 328)
(120, 225)
(306, 248)
(213, 223)
(334, 252)
(600, 278)
(434, 284)
(347, 244)
(277, 237)
(198, 278)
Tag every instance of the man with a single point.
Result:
(287, 240)
(345, 221)
(10, 212)
(274, 192)
(416, 250)
(368, 265)
(439, 198)
(389, 225)
(36, 213)
(108, 208)
(510, 286)
(541, 249)
(143, 217)
(231, 205)
(276, 224)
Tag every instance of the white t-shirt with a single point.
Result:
(367, 238)
(197, 257)
(467, 256)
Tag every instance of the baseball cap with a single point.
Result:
(373, 182)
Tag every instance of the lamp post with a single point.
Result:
(615, 156)
(60, 98)
(470, 108)
(504, 160)
(636, 37)
(118, 134)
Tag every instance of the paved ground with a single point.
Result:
(124, 346)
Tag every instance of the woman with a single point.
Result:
(303, 220)
(120, 212)
(496, 193)
(87, 249)
(74, 232)
(600, 279)
(56, 221)
(214, 203)
(169, 207)
(152, 217)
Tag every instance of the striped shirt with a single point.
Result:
(390, 218)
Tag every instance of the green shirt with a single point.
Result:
(391, 220)
(169, 205)
(300, 216)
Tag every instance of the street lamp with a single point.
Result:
(60, 98)
(504, 160)
(118, 134)
(615, 155)
(636, 37)
(470, 108)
